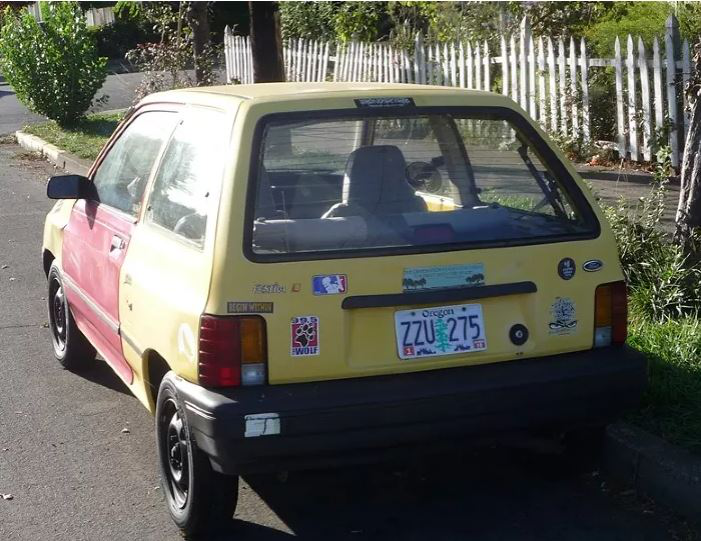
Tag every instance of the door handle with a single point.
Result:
(117, 243)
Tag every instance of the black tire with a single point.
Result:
(199, 499)
(71, 348)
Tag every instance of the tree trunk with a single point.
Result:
(689, 209)
(266, 42)
(199, 22)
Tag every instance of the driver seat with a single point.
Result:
(375, 184)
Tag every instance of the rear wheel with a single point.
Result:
(199, 499)
(71, 348)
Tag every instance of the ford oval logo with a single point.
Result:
(592, 265)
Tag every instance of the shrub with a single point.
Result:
(663, 282)
(53, 67)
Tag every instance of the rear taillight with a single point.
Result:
(232, 351)
(610, 314)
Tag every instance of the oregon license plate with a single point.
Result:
(441, 330)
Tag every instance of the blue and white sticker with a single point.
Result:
(329, 284)
(421, 278)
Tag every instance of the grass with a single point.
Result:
(672, 403)
(85, 140)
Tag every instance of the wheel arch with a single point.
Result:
(47, 258)
(155, 368)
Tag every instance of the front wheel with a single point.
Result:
(199, 499)
(71, 348)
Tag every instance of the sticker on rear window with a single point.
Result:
(384, 102)
(418, 278)
(564, 316)
(329, 284)
(304, 336)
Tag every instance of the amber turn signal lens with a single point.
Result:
(252, 340)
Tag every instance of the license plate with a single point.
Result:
(441, 330)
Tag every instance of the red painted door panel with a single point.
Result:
(94, 245)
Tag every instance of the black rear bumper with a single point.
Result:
(344, 416)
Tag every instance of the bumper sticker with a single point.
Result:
(304, 335)
(419, 278)
(329, 284)
(236, 307)
(262, 424)
(564, 315)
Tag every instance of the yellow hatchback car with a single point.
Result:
(289, 274)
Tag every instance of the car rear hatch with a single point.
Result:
(386, 241)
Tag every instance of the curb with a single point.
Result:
(62, 159)
(667, 473)
(619, 175)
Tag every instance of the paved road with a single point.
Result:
(76, 476)
(14, 115)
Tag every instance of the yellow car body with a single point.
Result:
(346, 383)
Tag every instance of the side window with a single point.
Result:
(191, 167)
(122, 176)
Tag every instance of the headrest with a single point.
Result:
(375, 174)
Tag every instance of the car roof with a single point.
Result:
(297, 91)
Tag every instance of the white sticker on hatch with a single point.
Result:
(563, 316)
(420, 278)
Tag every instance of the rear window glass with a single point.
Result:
(429, 181)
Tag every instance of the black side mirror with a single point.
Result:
(70, 187)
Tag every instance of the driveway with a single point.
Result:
(77, 451)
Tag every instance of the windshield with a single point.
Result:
(426, 181)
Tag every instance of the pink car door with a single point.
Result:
(98, 233)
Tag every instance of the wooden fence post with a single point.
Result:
(543, 113)
(461, 61)
(671, 32)
(657, 84)
(573, 90)
(487, 69)
(478, 67)
(553, 86)
(620, 120)
(504, 67)
(523, 64)
(584, 66)
(563, 86)
(686, 74)
(514, 69)
(632, 102)
(645, 96)
(531, 79)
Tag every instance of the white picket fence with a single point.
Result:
(548, 78)
(93, 16)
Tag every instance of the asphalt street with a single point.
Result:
(75, 473)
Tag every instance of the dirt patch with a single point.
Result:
(8, 139)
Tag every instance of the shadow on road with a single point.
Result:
(490, 494)
(102, 374)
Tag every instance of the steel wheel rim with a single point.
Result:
(176, 459)
(58, 315)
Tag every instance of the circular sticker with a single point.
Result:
(566, 268)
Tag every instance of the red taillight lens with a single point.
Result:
(619, 312)
(610, 314)
(229, 347)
